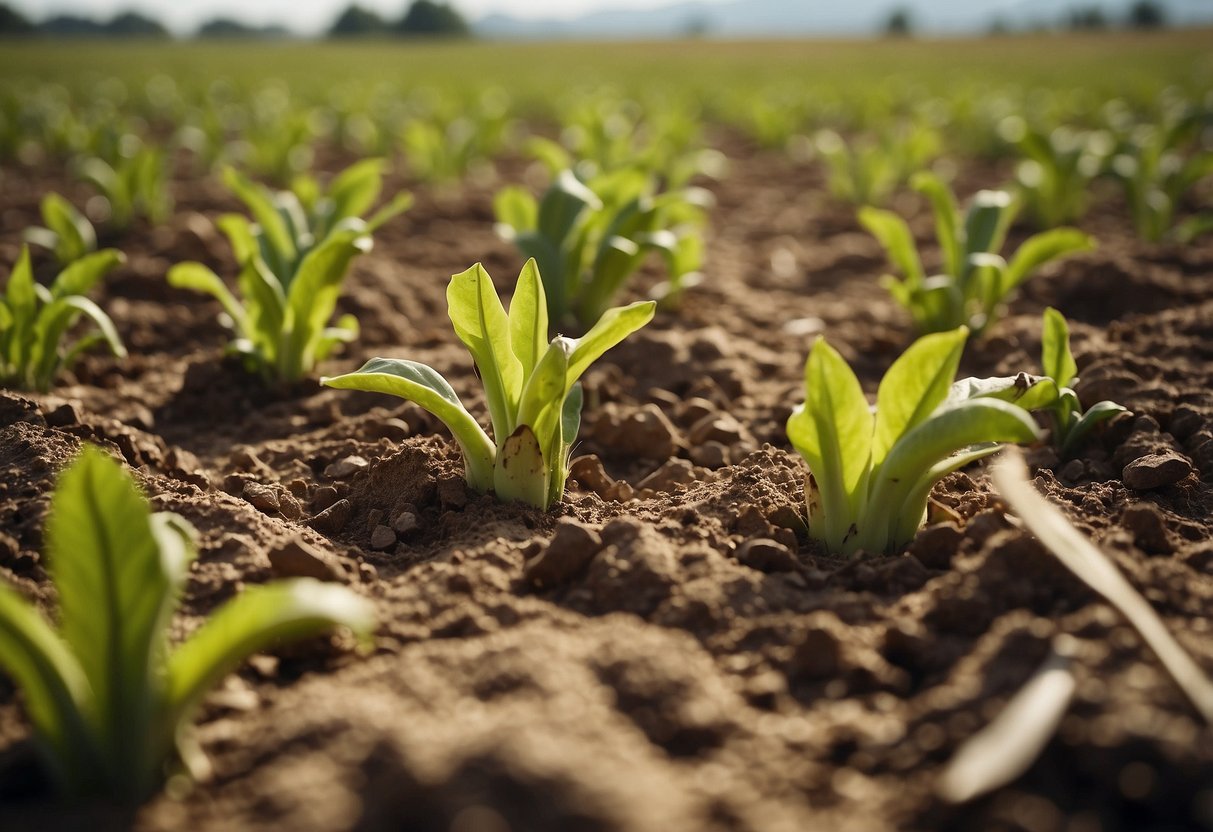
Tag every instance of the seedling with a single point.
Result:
(134, 186)
(872, 473)
(1070, 423)
(68, 233)
(290, 279)
(35, 321)
(588, 242)
(976, 281)
(109, 701)
(1057, 169)
(531, 385)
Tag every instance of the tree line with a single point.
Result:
(423, 18)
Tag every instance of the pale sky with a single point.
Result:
(306, 16)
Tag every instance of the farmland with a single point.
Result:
(689, 632)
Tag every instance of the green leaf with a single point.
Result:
(1096, 414)
(1055, 356)
(943, 204)
(916, 384)
(117, 585)
(198, 278)
(265, 307)
(986, 223)
(257, 619)
(425, 387)
(563, 205)
(520, 472)
(516, 209)
(528, 319)
(55, 688)
(312, 298)
(239, 233)
(544, 396)
(894, 235)
(482, 325)
(833, 430)
(356, 188)
(261, 205)
(86, 272)
(1026, 391)
(614, 326)
(1043, 248)
(75, 233)
(400, 203)
(53, 323)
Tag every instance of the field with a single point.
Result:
(670, 645)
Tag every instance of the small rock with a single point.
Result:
(668, 477)
(694, 409)
(620, 492)
(710, 455)
(346, 467)
(404, 523)
(65, 415)
(334, 518)
(1149, 528)
(1155, 471)
(298, 559)
(298, 488)
(766, 555)
(936, 545)
(718, 427)
(382, 538)
(645, 433)
(374, 517)
(573, 546)
(391, 428)
(590, 474)
(1185, 421)
(751, 522)
(324, 497)
(289, 507)
(261, 496)
(246, 459)
(1074, 470)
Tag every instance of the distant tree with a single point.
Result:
(356, 21)
(133, 24)
(425, 18)
(225, 27)
(696, 26)
(999, 26)
(1090, 18)
(12, 22)
(71, 26)
(1146, 14)
(899, 24)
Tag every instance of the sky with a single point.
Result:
(306, 16)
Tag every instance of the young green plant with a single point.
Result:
(35, 321)
(67, 233)
(110, 702)
(589, 241)
(1070, 423)
(290, 278)
(531, 385)
(134, 186)
(872, 472)
(976, 281)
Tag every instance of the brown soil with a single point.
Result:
(685, 659)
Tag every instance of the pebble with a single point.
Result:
(718, 427)
(382, 538)
(404, 523)
(668, 477)
(573, 546)
(590, 474)
(298, 559)
(323, 497)
(346, 467)
(645, 433)
(334, 518)
(63, 416)
(711, 455)
(766, 555)
(261, 496)
(1149, 528)
(1155, 471)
